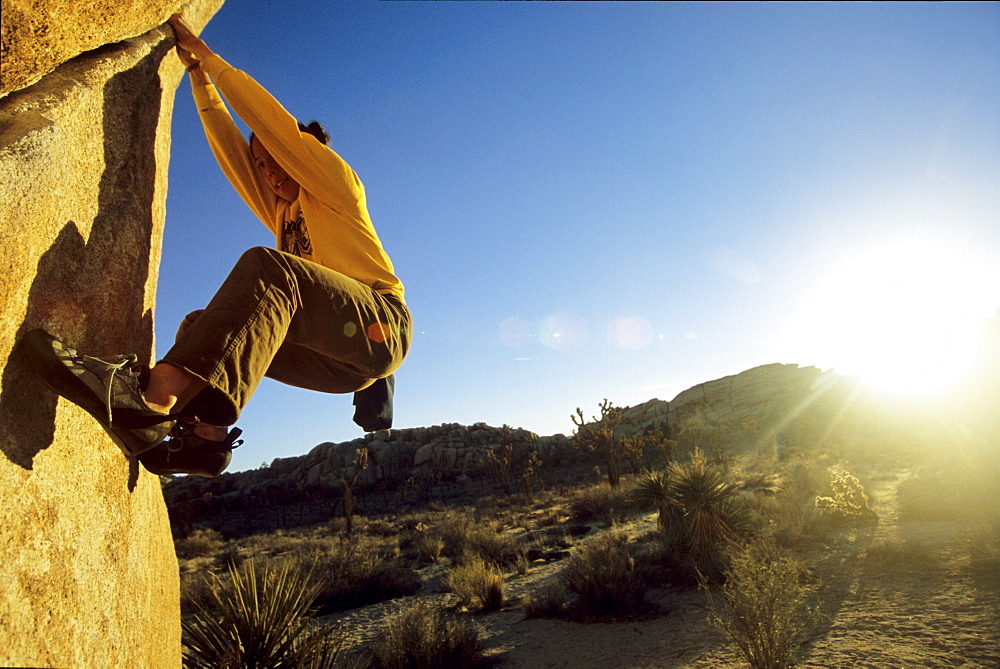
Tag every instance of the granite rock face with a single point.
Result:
(40, 35)
(86, 558)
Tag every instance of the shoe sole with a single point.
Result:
(46, 355)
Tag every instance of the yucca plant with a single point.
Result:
(258, 619)
(707, 512)
(653, 490)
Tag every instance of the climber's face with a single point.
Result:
(277, 178)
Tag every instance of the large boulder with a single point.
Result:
(40, 35)
(87, 563)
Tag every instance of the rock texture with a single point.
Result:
(40, 35)
(86, 559)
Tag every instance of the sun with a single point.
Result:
(903, 316)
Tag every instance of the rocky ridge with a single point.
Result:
(765, 408)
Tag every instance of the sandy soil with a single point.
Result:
(932, 608)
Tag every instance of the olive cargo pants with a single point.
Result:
(291, 320)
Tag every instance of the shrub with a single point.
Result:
(982, 544)
(764, 612)
(849, 503)
(794, 523)
(963, 489)
(477, 584)
(429, 547)
(195, 587)
(605, 577)
(464, 537)
(604, 503)
(545, 601)
(229, 556)
(201, 543)
(357, 571)
(258, 619)
(422, 636)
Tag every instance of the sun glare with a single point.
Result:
(904, 317)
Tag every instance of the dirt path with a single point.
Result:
(898, 595)
(924, 605)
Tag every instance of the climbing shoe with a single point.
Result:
(187, 453)
(109, 389)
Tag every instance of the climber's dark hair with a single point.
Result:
(314, 128)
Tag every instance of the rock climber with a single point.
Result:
(323, 311)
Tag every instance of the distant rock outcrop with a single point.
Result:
(87, 565)
(764, 410)
(767, 408)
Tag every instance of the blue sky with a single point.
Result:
(622, 200)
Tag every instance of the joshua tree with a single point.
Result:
(599, 435)
(500, 464)
(347, 487)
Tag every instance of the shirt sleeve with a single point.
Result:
(315, 166)
(233, 155)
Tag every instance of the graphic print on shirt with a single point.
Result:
(295, 238)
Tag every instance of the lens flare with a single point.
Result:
(563, 331)
(630, 332)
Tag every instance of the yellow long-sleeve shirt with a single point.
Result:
(331, 205)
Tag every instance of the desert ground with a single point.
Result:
(904, 593)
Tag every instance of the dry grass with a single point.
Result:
(605, 504)
(901, 555)
(200, 543)
(605, 577)
(351, 572)
(587, 573)
(422, 635)
(545, 601)
(479, 585)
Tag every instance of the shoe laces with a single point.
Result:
(113, 364)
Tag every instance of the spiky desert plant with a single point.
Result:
(423, 636)
(849, 504)
(257, 619)
(764, 611)
(653, 490)
(710, 513)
